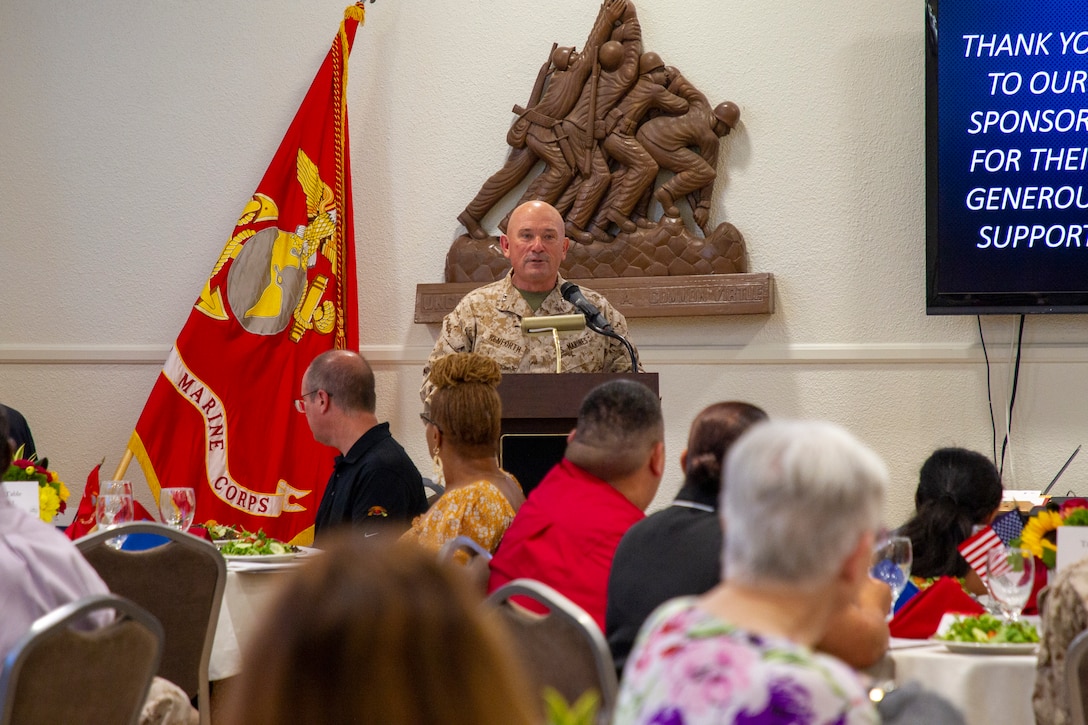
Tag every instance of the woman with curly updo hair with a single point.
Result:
(462, 429)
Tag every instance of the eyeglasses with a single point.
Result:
(300, 403)
(427, 420)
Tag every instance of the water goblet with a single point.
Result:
(110, 511)
(1010, 575)
(177, 507)
(118, 488)
(115, 488)
(891, 562)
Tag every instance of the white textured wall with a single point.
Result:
(132, 132)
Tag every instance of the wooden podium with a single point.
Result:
(538, 411)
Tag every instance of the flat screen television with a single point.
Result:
(1006, 156)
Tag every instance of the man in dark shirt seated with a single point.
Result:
(373, 480)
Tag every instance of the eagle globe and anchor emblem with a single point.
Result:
(267, 286)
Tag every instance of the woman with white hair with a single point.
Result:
(800, 514)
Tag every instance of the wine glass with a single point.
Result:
(891, 562)
(1010, 575)
(177, 507)
(110, 511)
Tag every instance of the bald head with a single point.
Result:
(535, 244)
(346, 377)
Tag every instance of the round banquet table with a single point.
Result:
(989, 689)
(251, 587)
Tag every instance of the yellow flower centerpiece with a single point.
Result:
(1034, 536)
(52, 493)
(1040, 533)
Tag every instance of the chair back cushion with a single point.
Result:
(177, 584)
(63, 675)
(563, 648)
(554, 652)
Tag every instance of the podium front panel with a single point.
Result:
(529, 456)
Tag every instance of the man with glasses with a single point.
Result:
(374, 481)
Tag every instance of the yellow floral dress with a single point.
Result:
(478, 510)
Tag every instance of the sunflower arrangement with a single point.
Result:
(1040, 533)
(52, 493)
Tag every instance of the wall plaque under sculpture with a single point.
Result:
(605, 120)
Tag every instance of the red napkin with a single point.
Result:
(1032, 607)
(920, 617)
(200, 532)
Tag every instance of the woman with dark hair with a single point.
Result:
(958, 490)
(462, 428)
(676, 551)
(373, 632)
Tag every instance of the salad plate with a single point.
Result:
(268, 558)
(987, 634)
(990, 648)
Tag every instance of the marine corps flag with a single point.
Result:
(220, 417)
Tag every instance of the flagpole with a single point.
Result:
(123, 465)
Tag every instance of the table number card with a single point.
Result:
(24, 494)
(1072, 545)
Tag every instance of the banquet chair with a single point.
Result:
(433, 490)
(181, 582)
(474, 560)
(563, 649)
(1076, 678)
(57, 673)
(462, 543)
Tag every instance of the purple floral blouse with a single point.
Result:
(689, 667)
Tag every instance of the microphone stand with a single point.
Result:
(616, 336)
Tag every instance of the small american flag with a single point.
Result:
(1009, 526)
(974, 550)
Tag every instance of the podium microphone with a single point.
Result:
(572, 293)
(595, 319)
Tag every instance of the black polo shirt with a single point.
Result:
(376, 482)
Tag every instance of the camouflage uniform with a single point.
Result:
(1064, 615)
(487, 320)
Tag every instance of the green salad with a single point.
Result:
(221, 532)
(258, 544)
(991, 630)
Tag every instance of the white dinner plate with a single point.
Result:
(991, 648)
(269, 558)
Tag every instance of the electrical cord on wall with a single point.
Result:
(989, 388)
(1000, 463)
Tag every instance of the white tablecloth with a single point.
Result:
(249, 590)
(988, 689)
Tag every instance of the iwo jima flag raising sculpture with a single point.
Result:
(220, 416)
(605, 120)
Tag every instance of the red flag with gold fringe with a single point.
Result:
(84, 522)
(220, 417)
